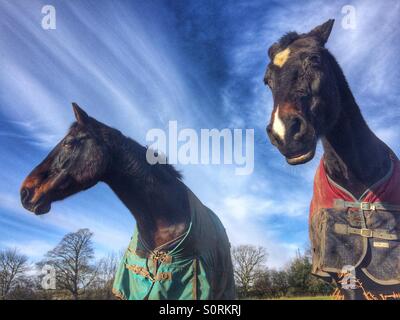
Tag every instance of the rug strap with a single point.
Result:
(365, 206)
(367, 233)
(195, 266)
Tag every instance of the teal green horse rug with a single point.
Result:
(199, 266)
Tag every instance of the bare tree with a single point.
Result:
(12, 268)
(101, 288)
(247, 260)
(27, 288)
(72, 259)
(108, 266)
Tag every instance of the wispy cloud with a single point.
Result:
(35, 249)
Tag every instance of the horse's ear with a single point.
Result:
(323, 31)
(80, 115)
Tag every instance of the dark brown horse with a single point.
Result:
(93, 152)
(312, 101)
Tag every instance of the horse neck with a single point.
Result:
(353, 155)
(160, 208)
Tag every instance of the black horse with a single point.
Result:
(312, 101)
(164, 208)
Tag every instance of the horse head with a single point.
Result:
(305, 92)
(76, 163)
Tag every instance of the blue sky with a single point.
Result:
(135, 65)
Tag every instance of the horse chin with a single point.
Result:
(41, 208)
(302, 158)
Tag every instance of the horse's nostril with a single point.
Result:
(25, 194)
(298, 128)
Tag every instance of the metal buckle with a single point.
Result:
(366, 233)
(365, 206)
(162, 257)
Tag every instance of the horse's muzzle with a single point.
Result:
(41, 206)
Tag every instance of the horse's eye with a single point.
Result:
(314, 60)
(69, 143)
(268, 81)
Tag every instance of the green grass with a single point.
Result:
(304, 298)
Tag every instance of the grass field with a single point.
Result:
(304, 298)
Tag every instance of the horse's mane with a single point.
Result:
(288, 38)
(283, 43)
(134, 155)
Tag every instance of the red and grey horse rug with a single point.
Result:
(364, 232)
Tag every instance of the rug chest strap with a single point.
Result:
(194, 293)
(368, 233)
(366, 206)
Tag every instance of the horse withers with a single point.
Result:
(355, 210)
(179, 250)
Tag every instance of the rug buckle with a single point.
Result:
(366, 233)
(367, 206)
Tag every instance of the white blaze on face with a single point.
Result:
(281, 57)
(278, 127)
